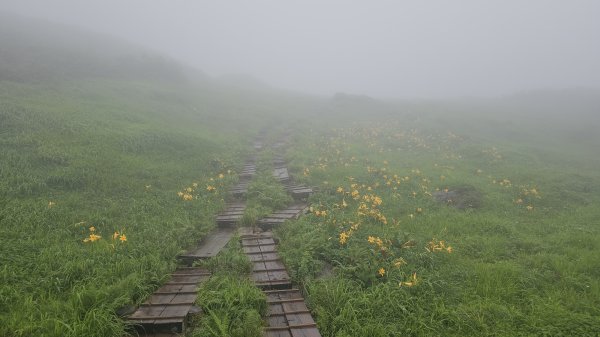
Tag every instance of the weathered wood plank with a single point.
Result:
(210, 246)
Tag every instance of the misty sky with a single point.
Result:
(396, 48)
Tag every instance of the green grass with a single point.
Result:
(512, 271)
(115, 154)
(110, 155)
(88, 138)
(232, 305)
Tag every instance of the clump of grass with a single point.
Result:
(232, 305)
(265, 194)
(230, 260)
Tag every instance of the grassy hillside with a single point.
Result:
(37, 51)
(96, 141)
(435, 223)
(461, 218)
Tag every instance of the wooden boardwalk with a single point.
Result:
(279, 217)
(248, 171)
(288, 314)
(166, 311)
(298, 191)
(241, 188)
(281, 174)
(268, 271)
(168, 307)
(209, 247)
(232, 214)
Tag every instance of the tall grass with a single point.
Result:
(513, 270)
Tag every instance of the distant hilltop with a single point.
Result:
(345, 98)
(34, 50)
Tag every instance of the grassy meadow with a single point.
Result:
(101, 158)
(421, 229)
(431, 218)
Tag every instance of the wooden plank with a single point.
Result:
(176, 310)
(211, 245)
(276, 321)
(306, 331)
(300, 319)
(264, 256)
(187, 279)
(273, 265)
(258, 241)
(168, 307)
(174, 288)
(286, 300)
(290, 327)
(191, 271)
(270, 276)
(277, 333)
(259, 249)
(253, 233)
(147, 312)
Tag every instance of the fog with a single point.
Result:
(395, 49)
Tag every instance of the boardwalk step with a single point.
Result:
(167, 308)
(209, 246)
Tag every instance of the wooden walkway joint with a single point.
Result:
(277, 218)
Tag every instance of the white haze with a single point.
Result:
(379, 48)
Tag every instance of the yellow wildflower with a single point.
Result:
(381, 272)
(343, 237)
(51, 203)
(440, 246)
(377, 201)
(399, 262)
(123, 238)
(340, 189)
(93, 237)
(221, 176)
(210, 188)
(412, 281)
